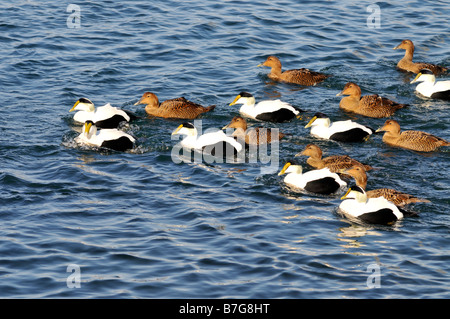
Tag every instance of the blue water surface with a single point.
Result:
(79, 222)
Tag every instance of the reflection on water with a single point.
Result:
(349, 235)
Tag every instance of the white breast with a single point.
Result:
(266, 107)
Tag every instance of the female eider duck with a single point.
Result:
(411, 140)
(297, 76)
(367, 105)
(109, 138)
(269, 110)
(430, 88)
(399, 199)
(335, 163)
(105, 116)
(213, 143)
(356, 205)
(341, 131)
(178, 108)
(252, 136)
(320, 181)
(407, 64)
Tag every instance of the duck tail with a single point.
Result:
(408, 213)
(299, 109)
(132, 115)
(418, 200)
(210, 108)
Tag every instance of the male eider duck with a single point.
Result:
(109, 138)
(178, 108)
(213, 143)
(412, 140)
(252, 136)
(400, 199)
(335, 163)
(297, 76)
(105, 116)
(407, 64)
(268, 110)
(356, 205)
(341, 131)
(320, 181)
(430, 88)
(367, 105)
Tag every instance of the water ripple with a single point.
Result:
(141, 226)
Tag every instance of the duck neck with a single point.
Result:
(350, 102)
(315, 159)
(249, 106)
(238, 132)
(391, 137)
(189, 141)
(361, 198)
(151, 108)
(91, 137)
(250, 102)
(425, 86)
(275, 71)
(409, 53)
(361, 180)
(393, 133)
(315, 162)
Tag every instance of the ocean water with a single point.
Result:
(79, 222)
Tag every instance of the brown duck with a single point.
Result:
(178, 108)
(252, 136)
(297, 76)
(407, 64)
(398, 198)
(367, 105)
(412, 140)
(335, 163)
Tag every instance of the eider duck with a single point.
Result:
(269, 110)
(319, 181)
(407, 64)
(178, 108)
(213, 143)
(341, 131)
(252, 136)
(367, 105)
(105, 116)
(297, 76)
(356, 205)
(412, 140)
(109, 138)
(335, 163)
(430, 88)
(399, 199)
